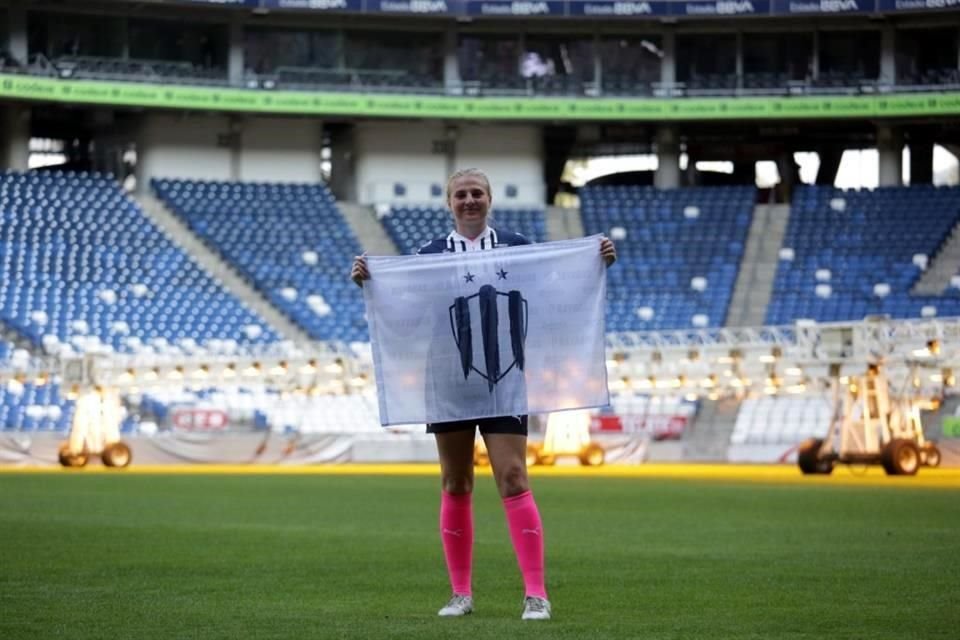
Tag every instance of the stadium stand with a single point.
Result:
(857, 253)
(27, 407)
(288, 240)
(262, 409)
(782, 421)
(679, 252)
(84, 269)
(412, 227)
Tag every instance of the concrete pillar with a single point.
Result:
(830, 158)
(739, 60)
(789, 172)
(815, 63)
(888, 56)
(14, 137)
(890, 149)
(235, 61)
(123, 24)
(921, 162)
(668, 64)
(17, 30)
(597, 63)
(451, 62)
(668, 158)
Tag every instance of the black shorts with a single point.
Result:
(516, 425)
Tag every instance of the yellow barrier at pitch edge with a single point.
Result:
(942, 478)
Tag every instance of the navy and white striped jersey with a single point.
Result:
(491, 238)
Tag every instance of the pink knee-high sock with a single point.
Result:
(456, 532)
(526, 532)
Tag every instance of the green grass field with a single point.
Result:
(261, 556)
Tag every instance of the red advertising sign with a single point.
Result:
(203, 420)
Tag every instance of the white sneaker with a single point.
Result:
(535, 608)
(458, 606)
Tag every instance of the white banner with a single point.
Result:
(479, 334)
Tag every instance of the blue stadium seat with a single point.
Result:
(288, 240)
(856, 240)
(666, 239)
(84, 269)
(412, 227)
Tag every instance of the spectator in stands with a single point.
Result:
(469, 199)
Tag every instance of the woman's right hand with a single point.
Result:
(359, 272)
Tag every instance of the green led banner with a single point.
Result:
(351, 104)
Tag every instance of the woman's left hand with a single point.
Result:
(608, 251)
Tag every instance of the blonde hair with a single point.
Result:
(475, 173)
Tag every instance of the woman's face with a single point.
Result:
(469, 202)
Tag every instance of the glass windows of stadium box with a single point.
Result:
(187, 47)
(848, 58)
(557, 64)
(774, 61)
(927, 56)
(392, 59)
(707, 63)
(490, 61)
(630, 64)
(295, 57)
(64, 35)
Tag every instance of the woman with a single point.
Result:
(469, 199)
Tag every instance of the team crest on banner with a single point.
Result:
(478, 334)
(489, 306)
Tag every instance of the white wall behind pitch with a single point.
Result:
(183, 146)
(280, 149)
(387, 153)
(509, 155)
